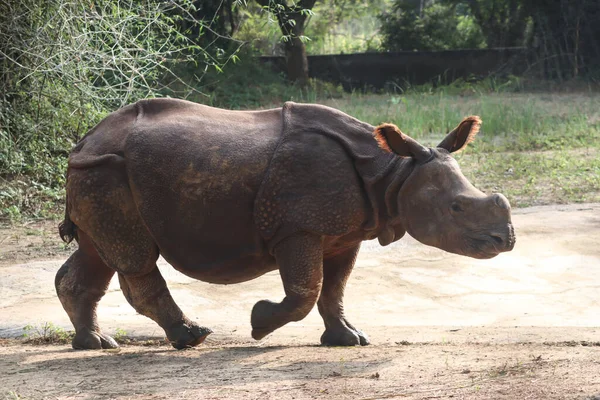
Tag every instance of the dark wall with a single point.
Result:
(376, 70)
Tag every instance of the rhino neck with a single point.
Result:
(382, 173)
(388, 226)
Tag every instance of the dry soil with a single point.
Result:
(524, 325)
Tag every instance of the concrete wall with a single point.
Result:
(378, 70)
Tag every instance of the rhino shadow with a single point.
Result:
(93, 373)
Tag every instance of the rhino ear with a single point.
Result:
(462, 135)
(391, 139)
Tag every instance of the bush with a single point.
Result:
(248, 83)
(65, 64)
(436, 27)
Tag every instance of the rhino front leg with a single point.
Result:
(338, 331)
(300, 261)
(149, 295)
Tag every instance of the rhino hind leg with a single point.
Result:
(80, 284)
(102, 206)
(149, 295)
(338, 331)
(300, 261)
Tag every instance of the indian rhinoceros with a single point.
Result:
(226, 196)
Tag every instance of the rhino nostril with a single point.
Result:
(497, 239)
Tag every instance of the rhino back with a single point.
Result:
(194, 172)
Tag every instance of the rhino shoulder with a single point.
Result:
(311, 185)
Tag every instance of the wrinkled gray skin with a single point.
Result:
(226, 196)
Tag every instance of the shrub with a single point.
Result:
(64, 64)
(435, 27)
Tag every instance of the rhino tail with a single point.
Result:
(67, 228)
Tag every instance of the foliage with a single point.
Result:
(345, 26)
(436, 26)
(46, 333)
(249, 84)
(334, 26)
(259, 31)
(563, 36)
(503, 22)
(291, 18)
(64, 64)
(566, 37)
(220, 20)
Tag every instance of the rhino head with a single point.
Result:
(438, 206)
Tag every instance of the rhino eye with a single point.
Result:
(456, 207)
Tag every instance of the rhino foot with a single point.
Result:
(187, 335)
(262, 317)
(87, 339)
(344, 336)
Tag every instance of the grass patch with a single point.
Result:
(46, 333)
(122, 338)
(534, 148)
(511, 122)
(536, 178)
(13, 396)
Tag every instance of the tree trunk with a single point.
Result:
(291, 21)
(292, 25)
(296, 61)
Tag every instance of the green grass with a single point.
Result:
(534, 178)
(511, 122)
(535, 148)
(46, 333)
(12, 395)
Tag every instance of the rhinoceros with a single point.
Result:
(227, 196)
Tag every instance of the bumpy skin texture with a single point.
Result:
(226, 196)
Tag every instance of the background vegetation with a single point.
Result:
(65, 64)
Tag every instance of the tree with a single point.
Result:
(563, 35)
(220, 20)
(292, 19)
(503, 22)
(345, 26)
(566, 36)
(428, 25)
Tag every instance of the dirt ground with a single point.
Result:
(524, 325)
(288, 371)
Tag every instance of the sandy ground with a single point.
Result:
(525, 325)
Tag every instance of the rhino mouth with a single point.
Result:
(485, 246)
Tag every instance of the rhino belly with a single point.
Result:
(220, 269)
(213, 239)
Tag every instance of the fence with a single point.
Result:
(378, 70)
